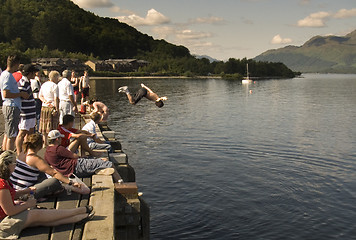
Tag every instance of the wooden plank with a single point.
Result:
(65, 202)
(78, 230)
(102, 198)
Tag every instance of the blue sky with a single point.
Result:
(231, 28)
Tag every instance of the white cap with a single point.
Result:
(54, 134)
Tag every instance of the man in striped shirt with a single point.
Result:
(28, 106)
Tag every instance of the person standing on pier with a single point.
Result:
(84, 86)
(144, 91)
(50, 105)
(16, 216)
(67, 104)
(75, 83)
(11, 102)
(36, 87)
(28, 106)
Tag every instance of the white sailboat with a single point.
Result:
(247, 80)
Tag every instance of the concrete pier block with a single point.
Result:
(126, 188)
(118, 158)
(109, 134)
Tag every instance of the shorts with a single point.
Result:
(100, 146)
(139, 95)
(76, 90)
(11, 227)
(12, 119)
(86, 167)
(48, 122)
(65, 108)
(27, 124)
(85, 92)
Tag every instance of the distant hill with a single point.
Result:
(207, 57)
(329, 54)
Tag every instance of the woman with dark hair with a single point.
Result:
(28, 170)
(16, 216)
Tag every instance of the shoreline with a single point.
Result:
(153, 77)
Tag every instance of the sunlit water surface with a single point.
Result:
(221, 162)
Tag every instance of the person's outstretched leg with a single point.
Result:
(39, 217)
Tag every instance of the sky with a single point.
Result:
(231, 28)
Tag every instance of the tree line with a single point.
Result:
(48, 28)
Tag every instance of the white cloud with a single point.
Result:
(182, 35)
(319, 19)
(344, 13)
(305, 2)
(207, 20)
(279, 40)
(163, 32)
(153, 17)
(190, 34)
(314, 20)
(94, 3)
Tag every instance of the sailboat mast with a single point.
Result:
(248, 75)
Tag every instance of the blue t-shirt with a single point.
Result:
(8, 82)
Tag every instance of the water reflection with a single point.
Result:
(220, 163)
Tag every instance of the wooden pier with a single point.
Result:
(120, 213)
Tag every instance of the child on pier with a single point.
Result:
(144, 91)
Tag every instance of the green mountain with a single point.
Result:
(330, 54)
(62, 25)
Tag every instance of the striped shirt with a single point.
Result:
(28, 106)
(24, 175)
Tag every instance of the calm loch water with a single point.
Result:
(220, 162)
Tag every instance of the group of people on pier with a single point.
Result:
(40, 116)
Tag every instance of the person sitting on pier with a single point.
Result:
(30, 165)
(144, 91)
(74, 138)
(95, 142)
(99, 107)
(67, 162)
(18, 215)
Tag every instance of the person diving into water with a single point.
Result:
(144, 91)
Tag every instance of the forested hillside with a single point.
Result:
(59, 28)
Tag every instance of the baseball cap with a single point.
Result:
(54, 134)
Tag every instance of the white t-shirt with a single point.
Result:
(90, 127)
(65, 89)
(49, 91)
(35, 86)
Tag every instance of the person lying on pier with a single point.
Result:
(99, 107)
(74, 138)
(67, 162)
(144, 91)
(18, 215)
(30, 165)
(95, 142)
